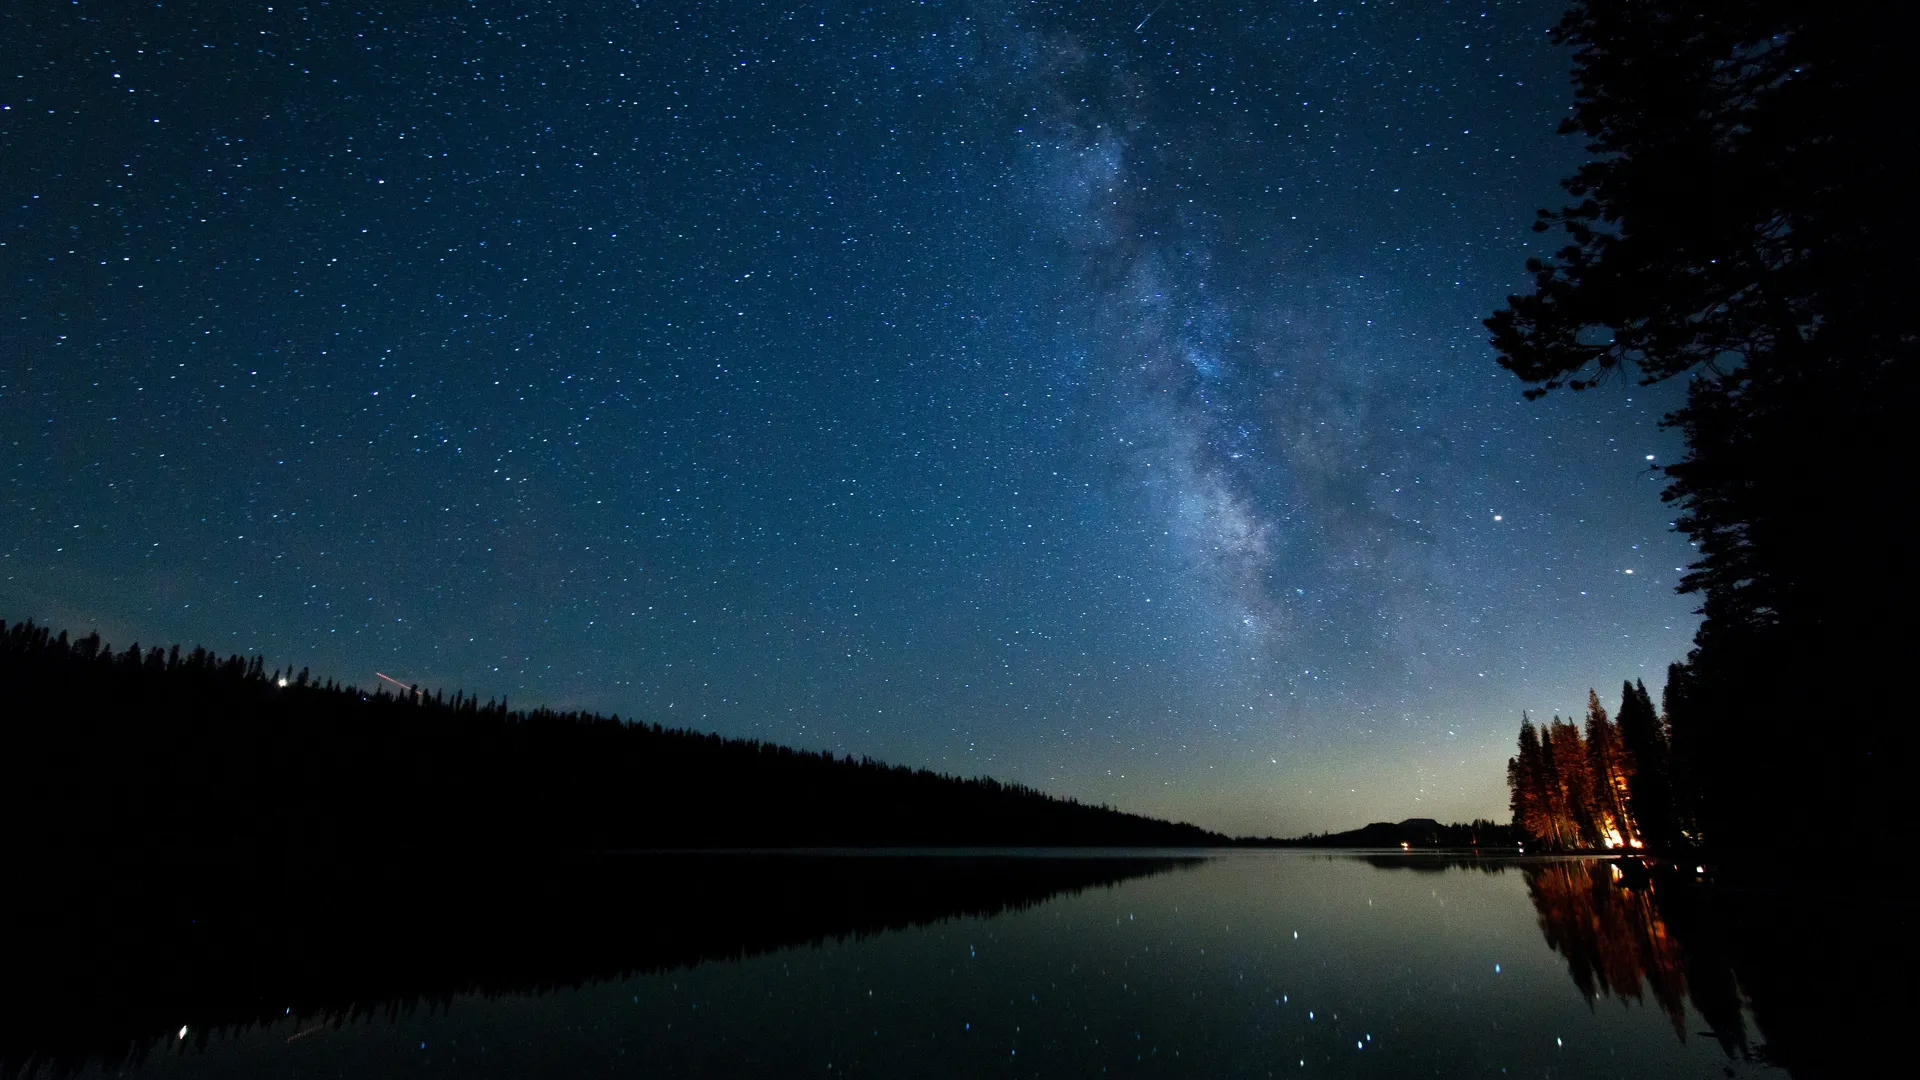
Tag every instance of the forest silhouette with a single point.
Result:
(174, 752)
(1739, 226)
(202, 839)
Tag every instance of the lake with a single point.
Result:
(1236, 963)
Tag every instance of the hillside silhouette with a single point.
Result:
(1411, 833)
(168, 751)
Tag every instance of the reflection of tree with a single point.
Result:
(1437, 862)
(1611, 933)
(123, 953)
(1805, 963)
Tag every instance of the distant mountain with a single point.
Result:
(1411, 833)
(160, 750)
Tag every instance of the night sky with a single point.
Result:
(1089, 395)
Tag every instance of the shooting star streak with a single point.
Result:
(1150, 14)
(398, 683)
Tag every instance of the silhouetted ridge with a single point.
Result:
(1411, 833)
(165, 750)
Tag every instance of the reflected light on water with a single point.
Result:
(961, 966)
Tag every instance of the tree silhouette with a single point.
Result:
(1613, 770)
(1526, 785)
(1741, 224)
(158, 752)
(1649, 788)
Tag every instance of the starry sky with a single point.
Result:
(1091, 395)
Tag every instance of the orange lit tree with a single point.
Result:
(1575, 791)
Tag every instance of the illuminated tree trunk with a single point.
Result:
(1612, 767)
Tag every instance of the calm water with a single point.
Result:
(1242, 964)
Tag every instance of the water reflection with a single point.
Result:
(1798, 956)
(1436, 861)
(1238, 964)
(1612, 934)
(106, 962)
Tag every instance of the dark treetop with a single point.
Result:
(171, 753)
(1746, 225)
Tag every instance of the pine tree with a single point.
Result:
(1526, 786)
(1648, 786)
(1569, 787)
(1741, 227)
(1612, 767)
(1688, 740)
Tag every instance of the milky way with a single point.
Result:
(1090, 399)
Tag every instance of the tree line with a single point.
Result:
(1409, 834)
(1742, 226)
(1607, 785)
(169, 751)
